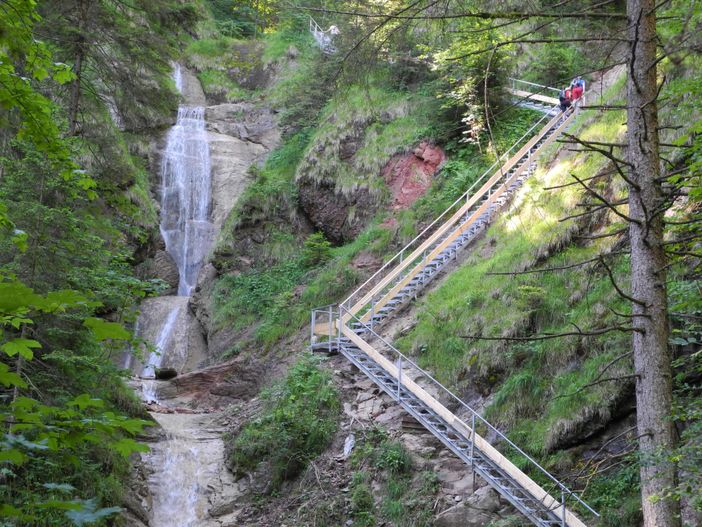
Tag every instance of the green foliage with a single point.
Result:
(298, 422)
(556, 64)
(617, 496)
(316, 250)
(40, 437)
(34, 111)
(394, 458)
(468, 71)
(361, 501)
(379, 460)
(532, 381)
(272, 194)
(305, 85)
(259, 294)
(147, 34)
(65, 254)
(278, 44)
(210, 48)
(467, 162)
(219, 84)
(380, 122)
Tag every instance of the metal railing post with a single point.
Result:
(399, 380)
(338, 329)
(563, 509)
(331, 328)
(472, 447)
(372, 313)
(314, 320)
(472, 439)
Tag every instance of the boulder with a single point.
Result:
(485, 499)
(165, 268)
(462, 515)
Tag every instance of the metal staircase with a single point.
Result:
(534, 96)
(351, 328)
(324, 39)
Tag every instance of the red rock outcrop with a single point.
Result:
(409, 175)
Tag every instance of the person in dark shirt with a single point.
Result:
(564, 99)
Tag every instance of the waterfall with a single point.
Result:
(156, 357)
(186, 193)
(179, 477)
(178, 77)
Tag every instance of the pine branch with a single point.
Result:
(548, 336)
(484, 15)
(617, 288)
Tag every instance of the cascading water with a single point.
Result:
(156, 356)
(185, 210)
(186, 195)
(179, 463)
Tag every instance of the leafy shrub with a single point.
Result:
(394, 458)
(361, 501)
(616, 496)
(298, 423)
(316, 250)
(555, 64)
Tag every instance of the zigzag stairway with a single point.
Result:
(352, 328)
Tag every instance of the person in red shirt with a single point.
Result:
(577, 92)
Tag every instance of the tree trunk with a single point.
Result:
(652, 359)
(76, 87)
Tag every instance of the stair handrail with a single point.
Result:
(543, 87)
(397, 258)
(314, 26)
(473, 413)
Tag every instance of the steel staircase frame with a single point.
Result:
(351, 328)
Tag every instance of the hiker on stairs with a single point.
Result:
(564, 99)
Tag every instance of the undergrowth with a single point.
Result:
(298, 423)
(276, 296)
(476, 302)
(378, 460)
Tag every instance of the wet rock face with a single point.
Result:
(230, 160)
(185, 349)
(244, 121)
(164, 268)
(192, 90)
(240, 135)
(187, 475)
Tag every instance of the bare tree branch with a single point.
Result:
(599, 380)
(617, 288)
(547, 336)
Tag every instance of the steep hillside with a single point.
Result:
(182, 182)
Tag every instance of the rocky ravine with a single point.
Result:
(186, 443)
